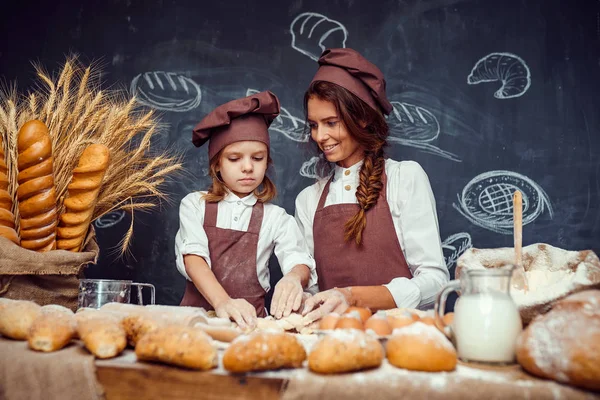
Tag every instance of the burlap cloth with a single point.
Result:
(46, 278)
(29, 375)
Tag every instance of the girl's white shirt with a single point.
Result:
(279, 232)
(412, 206)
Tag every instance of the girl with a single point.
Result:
(227, 234)
(372, 226)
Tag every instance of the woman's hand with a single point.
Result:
(332, 300)
(242, 312)
(287, 296)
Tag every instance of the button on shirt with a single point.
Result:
(412, 206)
(279, 232)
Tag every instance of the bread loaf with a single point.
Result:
(83, 196)
(16, 318)
(178, 345)
(261, 351)
(36, 193)
(101, 333)
(7, 218)
(53, 329)
(564, 344)
(421, 347)
(345, 350)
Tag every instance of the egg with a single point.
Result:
(364, 313)
(329, 321)
(378, 324)
(350, 321)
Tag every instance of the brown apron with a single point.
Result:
(340, 263)
(233, 261)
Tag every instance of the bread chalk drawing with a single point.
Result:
(454, 246)
(167, 91)
(507, 68)
(312, 33)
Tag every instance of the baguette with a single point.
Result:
(53, 329)
(36, 192)
(178, 345)
(7, 218)
(101, 333)
(83, 196)
(16, 318)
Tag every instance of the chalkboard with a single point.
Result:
(489, 96)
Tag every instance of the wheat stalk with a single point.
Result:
(78, 113)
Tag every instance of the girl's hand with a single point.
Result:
(287, 296)
(242, 312)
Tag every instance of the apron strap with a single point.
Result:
(256, 218)
(210, 214)
(324, 194)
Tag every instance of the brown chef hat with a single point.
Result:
(350, 70)
(242, 119)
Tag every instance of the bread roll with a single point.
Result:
(16, 318)
(7, 218)
(53, 329)
(101, 333)
(261, 351)
(345, 350)
(421, 347)
(36, 193)
(178, 345)
(83, 196)
(564, 344)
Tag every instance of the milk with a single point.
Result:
(486, 326)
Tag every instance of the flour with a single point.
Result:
(546, 285)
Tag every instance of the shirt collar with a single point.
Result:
(249, 200)
(339, 171)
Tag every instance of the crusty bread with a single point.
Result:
(101, 333)
(261, 351)
(16, 318)
(36, 192)
(83, 196)
(564, 344)
(421, 347)
(53, 329)
(178, 345)
(7, 218)
(345, 350)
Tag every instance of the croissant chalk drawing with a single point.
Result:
(507, 68)
(310, 31)
(166, 91)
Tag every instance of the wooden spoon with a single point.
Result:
(519, 272)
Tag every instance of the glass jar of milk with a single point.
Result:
(486, 319)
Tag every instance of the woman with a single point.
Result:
(372, 226)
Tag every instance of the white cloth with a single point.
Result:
(279, 232)
(412, 205)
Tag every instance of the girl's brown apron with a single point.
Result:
(233, 261)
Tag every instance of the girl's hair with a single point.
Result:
(369, 128)
(265, 192)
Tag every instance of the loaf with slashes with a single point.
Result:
(7, 218)
(36, 193)
(82, 197)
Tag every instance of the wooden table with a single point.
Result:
(69, 374)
